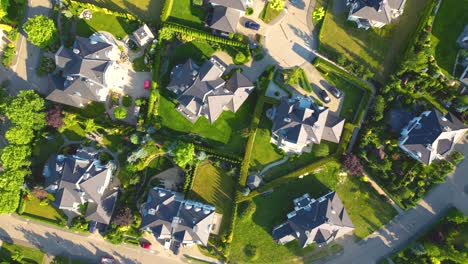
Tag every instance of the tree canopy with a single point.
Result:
(26, 110)
(15, 157)
(19, 135)
(4, 4)
(41, 31)
(120, 112)
(183, 153)
(277, 5)
(55, 117)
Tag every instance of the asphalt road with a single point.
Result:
(408, 225)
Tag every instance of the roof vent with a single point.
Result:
(152, 211)
(194, 73)
(197, 209)
(162, 194)
(321, 107)
(287, 119)
(332, 210)
(446, 128)
(419, 154)
(93, 42)
(188, 206)
(429, 147)
(443, 118)
(206, 211)
(76, 51)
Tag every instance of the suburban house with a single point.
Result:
(226, 14)
(81, 179)
(432, 135)
(202, 92)
(314, 221)
(143, 35)
(374, 13)
(300, 122)
(174, 220)
(88, 70)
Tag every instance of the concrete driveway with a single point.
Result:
(406, 226)
(133, 84)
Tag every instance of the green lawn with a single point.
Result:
(45, 213)
(184, 12)
(213, 186)
(146, 10)
(117, 26)
(352, 95)
(376, 49)
(31, 255)
(448, 25)
(367, 210)
(268, 14)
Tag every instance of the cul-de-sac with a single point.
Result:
(234, 131)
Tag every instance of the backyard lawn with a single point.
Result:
(367, 210)
(213, 186)
(448, 25)
(117, 26)
(146, 10)
(376, 49)
(44, 213)
(31, 255)
(186, 13)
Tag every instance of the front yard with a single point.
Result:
(44, 211)
(213, 185)
(376, 49)
(448, 25)
(30, 255)
(367, 210)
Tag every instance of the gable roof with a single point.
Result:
(236, 4)
(311, 220)
(181, 220)
(225, 19)
(374, 10)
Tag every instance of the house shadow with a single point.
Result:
(54, 244)
(5, 237)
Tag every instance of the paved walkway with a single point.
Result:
(408, 225)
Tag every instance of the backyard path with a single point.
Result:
(408, 225)
(273, 164)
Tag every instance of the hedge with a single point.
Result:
(166, 11)
(220, 154)
(153, 99)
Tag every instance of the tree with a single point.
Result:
(183, 153)
(378, 108)
(292, 76)
(15, 157)
(318, 14)
(17, 256)
(41, 31)
(55, 117)
(90, 126)
(18, 135)
(124, 217)
(4, 4)
(352, 164)
(277, 5)
(26, 110)
(166, 33)
(134, 139)
(120, 112)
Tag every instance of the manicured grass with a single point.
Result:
(31, 255)
(199, 51)
(45, 213)
(263, 151)
(448, 25)
(225, 131)
(352, 95)
(268, 14)
(184, 12)
(117, 26)
(376, 49)
(367, 210)
(213, 186)
(146, 10)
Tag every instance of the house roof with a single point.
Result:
(300, 120)
(254, 181)
(225, 19)
(396, 4)
(183, 220)
(374, 10)
(143, 35)
(236, 4)
(315, 220)
(102, 211)
(431, 134)
(202, 91)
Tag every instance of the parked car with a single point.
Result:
(146, 245)
(252, 25)
(337, 93)
(147, 84)
(324, 96)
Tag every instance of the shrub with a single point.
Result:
(79, 224)
(127, 101)
(8, 55)
(46, 66)
(249, 11)
(251, 251)
(240, 58)
(120, 112)
(41, 31)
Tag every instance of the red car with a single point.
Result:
(146, 245)
(147, 84)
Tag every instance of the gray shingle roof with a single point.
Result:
(236, 4)
(102, 211)
(315, 221)
(374, 10)
(225, 19)
(181, 220)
